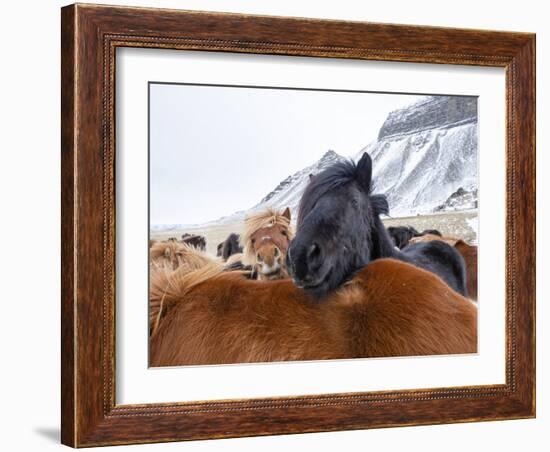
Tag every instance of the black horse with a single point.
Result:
(340, 232)
(401, 235)
(229, 246)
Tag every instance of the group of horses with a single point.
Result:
(337, 285)
(195, 240)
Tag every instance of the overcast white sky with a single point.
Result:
(215, 150)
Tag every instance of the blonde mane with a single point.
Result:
(252, 223)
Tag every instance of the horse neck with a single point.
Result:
(382, 244)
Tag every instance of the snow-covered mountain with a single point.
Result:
(425, 153)
(288, 192)
(424, 160)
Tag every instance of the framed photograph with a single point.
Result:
(281, 225)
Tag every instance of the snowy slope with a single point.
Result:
(419, 172)
(419, 169)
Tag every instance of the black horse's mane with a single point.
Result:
(337, 175)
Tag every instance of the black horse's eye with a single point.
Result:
(253, 241)
(284, 233)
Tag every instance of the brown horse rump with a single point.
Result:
(389, 308)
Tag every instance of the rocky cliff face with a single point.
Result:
(430, 113)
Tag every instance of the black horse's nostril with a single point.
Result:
(304, 260)
(313, 250)
(314, 255)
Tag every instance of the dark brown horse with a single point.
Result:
(230, 246)
(195, 240)
(389, 308)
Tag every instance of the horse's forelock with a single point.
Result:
(330, 179)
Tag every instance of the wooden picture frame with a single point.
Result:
(90, 35)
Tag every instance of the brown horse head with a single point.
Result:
(270, 245)
(267, 237)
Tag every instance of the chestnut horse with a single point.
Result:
(266, 238)
(468, 252)
(389, 308)
(169, 256)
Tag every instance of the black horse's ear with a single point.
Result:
(380, 205)
(364, 171)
